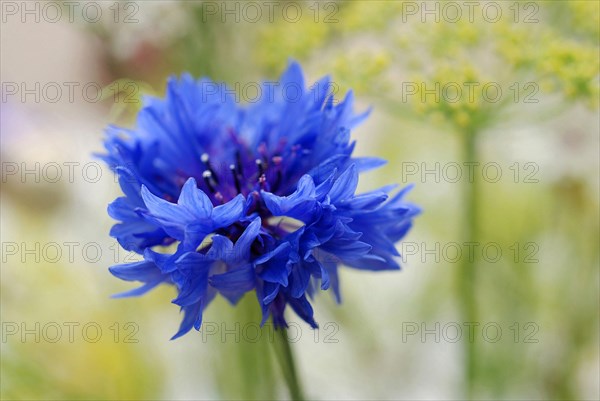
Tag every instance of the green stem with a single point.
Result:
(284, 355)
(467, 272)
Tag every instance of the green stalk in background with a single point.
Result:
(285, 357)
(248, 356)
(467, 272)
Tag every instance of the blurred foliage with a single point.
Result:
(554, 44)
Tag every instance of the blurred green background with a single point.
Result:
(510, 88)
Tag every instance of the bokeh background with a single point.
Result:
(529, 292)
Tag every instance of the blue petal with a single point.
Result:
(172, 217)
(299, 205)
(242, 245)
(195, 200)
(221, 248)
(271, 291)
(329, 264)
(195, 269)
(192, 318)
(273, 266)
(299, 279)
(164, 261)
(235, 283)
(302, 307)
(293, 75)
(195, 233)
(345, 185)
(136, 271)
(144, 271)
(229, 213)
(368, 163)
(366, 201)
(137, 234)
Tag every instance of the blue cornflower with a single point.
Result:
(256, 198)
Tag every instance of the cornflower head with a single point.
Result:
(225, 199)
